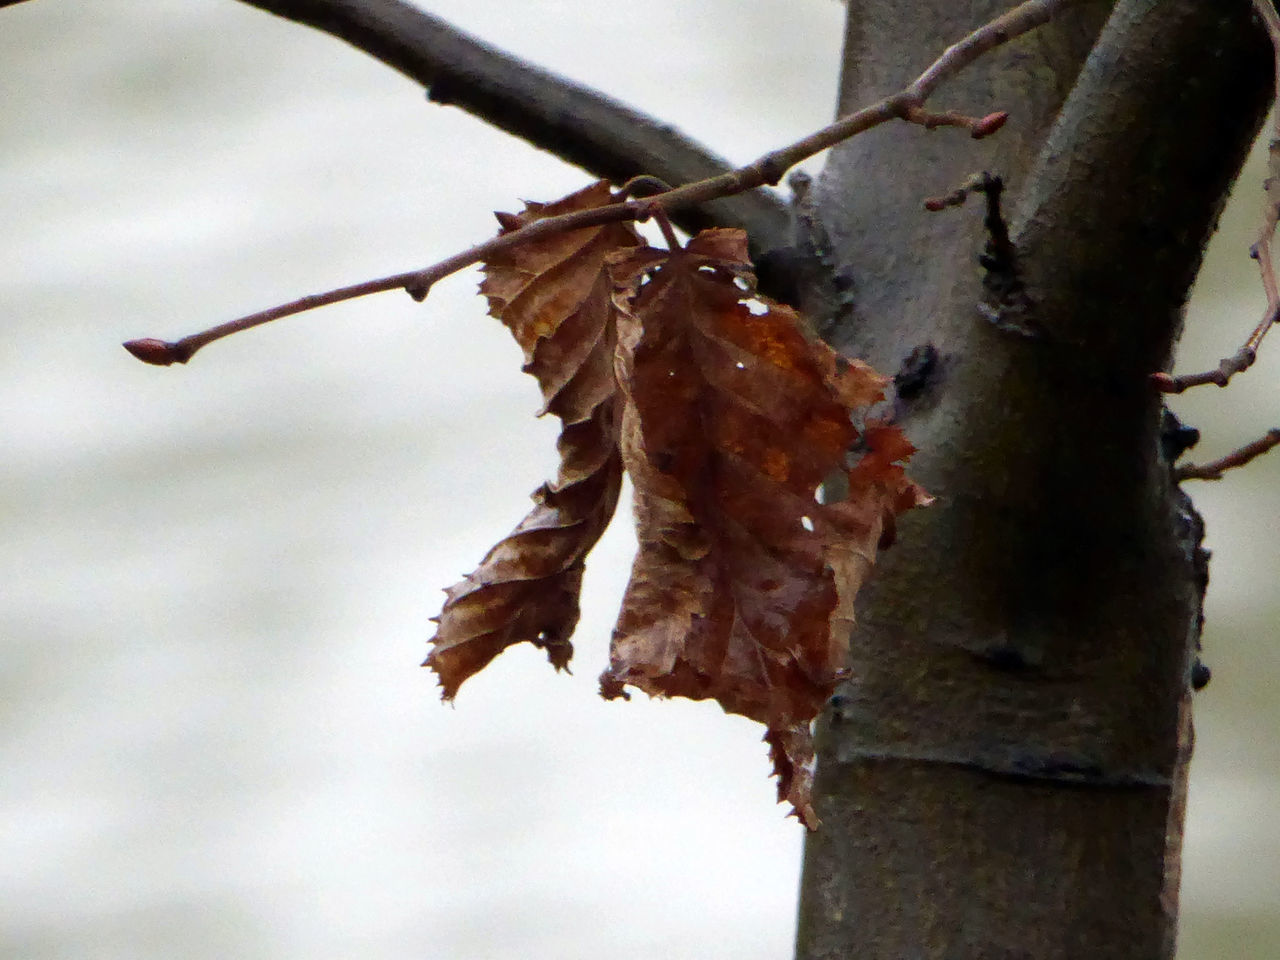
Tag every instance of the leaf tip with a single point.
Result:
(791, 750)
(448, 685)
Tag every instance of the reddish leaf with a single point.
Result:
(729, 420)
(553, 293)
(743, 587)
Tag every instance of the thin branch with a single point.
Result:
(978, 127)
(1228, 367)
(1237, 458)
(1243, 358)
(572, 121)
(975, 183)
(1022, 18)
(905, 105)
(417, 283)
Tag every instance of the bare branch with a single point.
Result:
(417, 283)
(1228, 367)
(1024, 17)
(1237, 458)
(572, 121)
(906, 105)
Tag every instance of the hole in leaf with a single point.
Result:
(756, 307)
(807, 523)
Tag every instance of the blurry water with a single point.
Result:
(216, 580)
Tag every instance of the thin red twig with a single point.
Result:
(907, 104)
(1237, 458)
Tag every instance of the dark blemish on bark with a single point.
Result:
(1008, 307)
(1005, 658)
(1176, 438)
(1200, 675)
(917, 372)
(837, 706)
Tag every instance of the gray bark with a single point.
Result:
(1003, 775)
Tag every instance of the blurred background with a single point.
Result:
(214, 736)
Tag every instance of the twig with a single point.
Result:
(1244, 358)
(1000, 256)
(572, 121)
(1237, 458)
(417, 283)
(975, 183)
(906, 105)
(978, 127)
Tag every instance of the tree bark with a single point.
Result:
(1003, 775)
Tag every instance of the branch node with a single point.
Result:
(1221, 375)
(771, 169)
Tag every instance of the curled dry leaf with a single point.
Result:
(728, 420)
(743, 587)
(554, 295)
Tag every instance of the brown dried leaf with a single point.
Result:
(743, 587)
(553, 293)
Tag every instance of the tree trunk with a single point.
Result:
(1004, 774)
